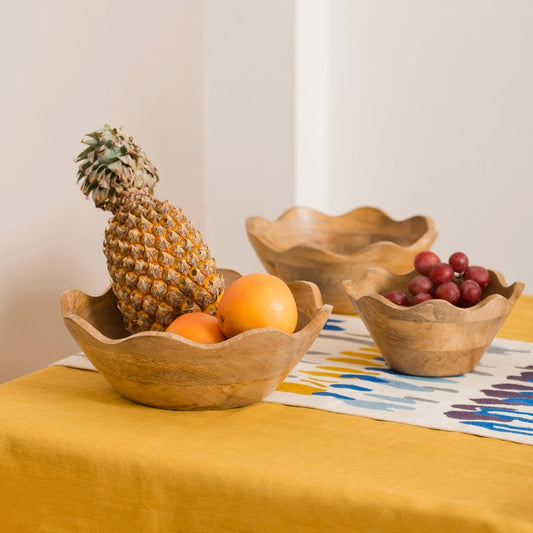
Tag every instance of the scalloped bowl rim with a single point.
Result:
(387, 245)
(517, 288)
(179, 340)
(435, 302)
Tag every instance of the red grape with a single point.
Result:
(398, 298)
(478, 274)
(421, 284)
(424, 261)
(455, 281)
(421, 297)
(448, 291)
(459, 262)
(470, 292)
(441, 273)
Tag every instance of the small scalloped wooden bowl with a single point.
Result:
(306, 244)
(165, 370)
(434, 338)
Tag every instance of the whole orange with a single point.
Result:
(257, 301)
(197, 326)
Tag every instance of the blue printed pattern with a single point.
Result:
(344, 372)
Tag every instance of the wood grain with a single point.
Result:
(434, 338)
(164, 370)
(305, 244)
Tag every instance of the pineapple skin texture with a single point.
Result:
(159, 264)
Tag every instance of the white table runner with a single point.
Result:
(344, 372)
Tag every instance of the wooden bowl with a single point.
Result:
(306, 244)
(165, 370)
(433, 338)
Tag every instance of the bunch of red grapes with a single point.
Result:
(454, 281)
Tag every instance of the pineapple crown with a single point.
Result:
(113, 168)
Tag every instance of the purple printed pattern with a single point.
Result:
(344, 372)
(502, 406)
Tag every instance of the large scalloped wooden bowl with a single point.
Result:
(304, 243)
(165, 370)
(434, 338)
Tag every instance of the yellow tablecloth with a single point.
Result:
(75, 456)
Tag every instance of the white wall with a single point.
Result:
(432, 113)
(312, 103)
(248, 81)
(428, 110)
(67, 68)
(206, 87)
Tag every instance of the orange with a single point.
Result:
(197, 326)
(257, 301)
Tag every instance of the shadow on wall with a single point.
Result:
(32, 332)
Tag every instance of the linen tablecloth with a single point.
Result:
(76, 456)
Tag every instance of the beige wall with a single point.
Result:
(203, 86)
(432, 113)
(248, 82)
(425, 107)
(67, 68)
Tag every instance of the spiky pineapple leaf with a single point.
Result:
(112, 165)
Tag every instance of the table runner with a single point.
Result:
(344, 372)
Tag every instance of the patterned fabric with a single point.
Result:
(344, 372)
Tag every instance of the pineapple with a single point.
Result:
(159, 264)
